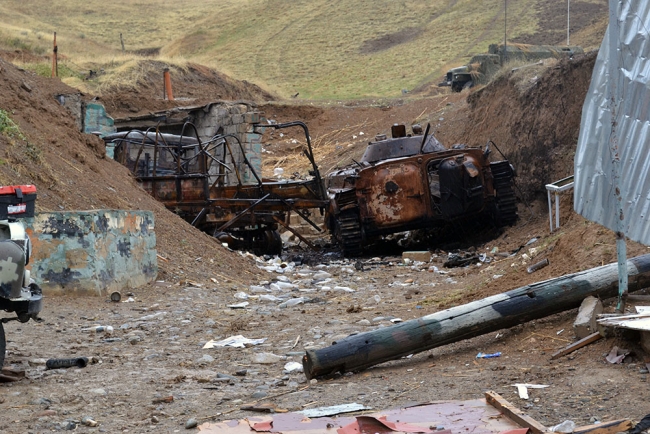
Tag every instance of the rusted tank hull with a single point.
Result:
(429, 187)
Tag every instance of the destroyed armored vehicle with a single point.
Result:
(18, 293)
(482, 67)
(412, 181)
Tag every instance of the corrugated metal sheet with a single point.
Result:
(612, 182)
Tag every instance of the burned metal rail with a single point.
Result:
(203, 182)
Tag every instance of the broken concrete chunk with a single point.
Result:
(585, 323)
(421, 256)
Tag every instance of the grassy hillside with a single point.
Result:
(319, 48)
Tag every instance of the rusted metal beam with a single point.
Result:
(293, 231)
(241, 214)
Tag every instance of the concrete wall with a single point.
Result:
(236, 119)
(92, 252)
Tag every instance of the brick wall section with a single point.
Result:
(236, 119)
(93, 252)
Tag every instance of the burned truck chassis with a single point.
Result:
(246, 216)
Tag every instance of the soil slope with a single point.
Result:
(152, 373)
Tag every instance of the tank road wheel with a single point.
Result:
(506, 206)
(348, 232)
(269, 242)
(3, 345)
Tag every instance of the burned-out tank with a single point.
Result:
(412, 181)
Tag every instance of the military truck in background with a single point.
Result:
(482, 67)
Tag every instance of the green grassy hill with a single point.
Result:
(322, 49)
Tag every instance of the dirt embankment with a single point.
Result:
(71, 173)
(193, 85)
(533, 116)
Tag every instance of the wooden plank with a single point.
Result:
(479, 317)
(513, 413)
(576, 345)
(612, 427)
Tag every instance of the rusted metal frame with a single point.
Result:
(234, 163)
(293, 231)
(424, 137)
(154, 185)
(219, 176)
(301, 214)
(271, 204)
(201, 158)
(199, 216)
(137, 157)
(309, 153)
(246, 160)
(241, 214)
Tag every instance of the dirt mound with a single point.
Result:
(532, 115)
(191, 85)
(71, 173)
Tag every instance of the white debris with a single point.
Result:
(292, 302)
(238, 341)
(292, 367)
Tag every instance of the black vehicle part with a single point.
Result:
(3, 345)
(81, 362)
(506, 206)
(347, 224)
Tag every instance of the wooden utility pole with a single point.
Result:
(55, 61)
(473, 319)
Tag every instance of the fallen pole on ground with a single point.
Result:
(479, 317)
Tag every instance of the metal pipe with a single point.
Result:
(550, 210)
(55, 60)
(168, 84)
(557, 210)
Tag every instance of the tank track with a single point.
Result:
(506, 213)
(348, 225)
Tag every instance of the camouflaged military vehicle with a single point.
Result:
(412, 181)
(18, 293)
(482, 67)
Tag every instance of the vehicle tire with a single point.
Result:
(468, 84)
(274, 242)
(268, 242)
(3, 345)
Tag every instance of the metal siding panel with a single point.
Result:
(594, 195)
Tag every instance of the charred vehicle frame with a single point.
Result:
(411, 182)
(189, 177)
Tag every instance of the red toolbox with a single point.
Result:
(17, 201)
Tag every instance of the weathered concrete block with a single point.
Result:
(253, 117)
(423, 256)
(237, 119)
(92, 251)
(585, 323)
(238, 108)
(230, 129)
